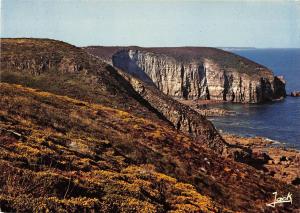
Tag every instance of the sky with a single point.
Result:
(256, 23)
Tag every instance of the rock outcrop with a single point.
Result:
(295, 94)
(279, 87)
(198, 73)
(280, 162)
(181, 116)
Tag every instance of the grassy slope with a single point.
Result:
(62, 154)
(64, 69)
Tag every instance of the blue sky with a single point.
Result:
(155, 23)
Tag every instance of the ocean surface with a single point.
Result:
(278, 121)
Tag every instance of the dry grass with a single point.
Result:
(66, 159)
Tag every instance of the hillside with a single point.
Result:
(77, 135)
(63, 154)
(64, 69)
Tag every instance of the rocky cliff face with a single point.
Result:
(182, 117)
(200, 73)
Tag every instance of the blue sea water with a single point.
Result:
(279, 121)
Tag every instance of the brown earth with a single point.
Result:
(200, 106)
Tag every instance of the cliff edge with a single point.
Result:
(197, 72)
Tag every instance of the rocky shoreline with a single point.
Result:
(270, 157)
(200, 106)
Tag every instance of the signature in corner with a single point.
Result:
(287, 199)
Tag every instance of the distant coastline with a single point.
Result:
(236, 48)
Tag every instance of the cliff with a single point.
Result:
(197, 73)
(181, 116)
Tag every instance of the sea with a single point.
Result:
(278, 121)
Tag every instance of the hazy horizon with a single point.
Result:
(154, 46)
(221, 24)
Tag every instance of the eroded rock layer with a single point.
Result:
(181, 116)
(197, 73)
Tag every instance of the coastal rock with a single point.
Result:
(295, 94)
(278, 162)
(201, 106)
(204, 79)
(198, 73)
(279, 87)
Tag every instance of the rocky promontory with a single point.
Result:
(194, 73)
